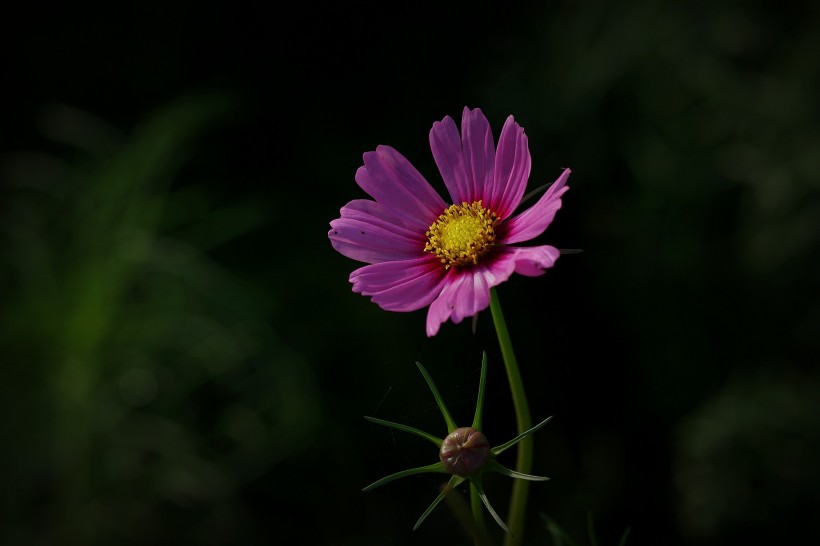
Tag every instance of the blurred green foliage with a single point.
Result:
(148, 388)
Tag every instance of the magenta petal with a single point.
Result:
(365, 209)
(444, 306)
(479, 153)
(512, 169)
(445, 144)
(532, 261)
(402, 285)
(394, 183)
(466, 163)
(366, 233)
(467, 291)
(532, 222)
(369, 243)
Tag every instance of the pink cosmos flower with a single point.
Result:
(422, 251)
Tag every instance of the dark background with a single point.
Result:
(183, 360)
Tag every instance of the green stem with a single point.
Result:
(518, 500)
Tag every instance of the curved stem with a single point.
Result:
(518, 500)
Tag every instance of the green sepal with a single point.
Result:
(435, 467)
(482, 383)
(405, 428)
(451, 425)
(504, 447)
(495, 466)
(479, 486)
(454, 482)
(535, 192)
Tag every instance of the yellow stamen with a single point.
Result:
(462, 235)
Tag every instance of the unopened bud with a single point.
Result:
(464, 451)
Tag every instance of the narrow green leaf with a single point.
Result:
(476, 481)
(504, 447)
(558, 535)
(451, 425)
(495, 466)
(454, 482)
(622, 542)
(482, 383)
(405, 428)
(435, 467)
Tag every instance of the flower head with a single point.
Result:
(465, 452)
(422, 251)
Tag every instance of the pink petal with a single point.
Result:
(532, 261)
(395, 184)
(361, 208)
(532, 222)
(466, 164)
(367, 233)
(405, 285)
(467, 291)
(455, 299)
(479, 153)
(369, 243)
(445, 144)
(512, 169)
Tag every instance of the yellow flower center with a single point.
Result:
(462, 235)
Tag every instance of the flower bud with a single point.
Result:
(464, 451)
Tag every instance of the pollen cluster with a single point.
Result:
(462, 235)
